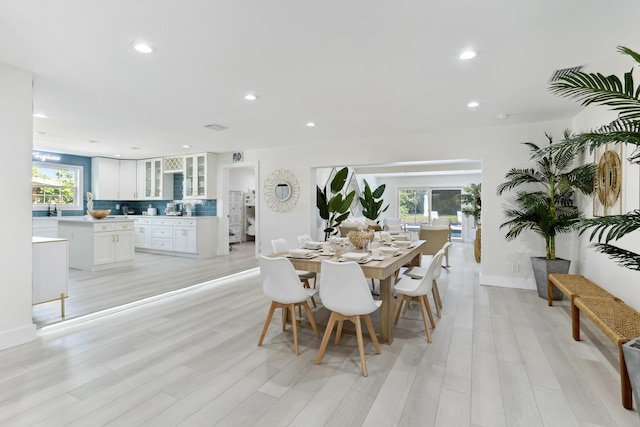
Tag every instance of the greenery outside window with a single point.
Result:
(56, 184)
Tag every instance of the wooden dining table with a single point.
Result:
(384, 270)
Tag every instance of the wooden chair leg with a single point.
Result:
(434, 291)
(429, 312)
(325, 338)
(399, 302)
(427, 329)
(294, 325)
(313, 301)
(311, 319)
(284, 318)
(272, 309)
(437, 289)
(372, 333)
(363, 361)
(373, 285)
(339, 331)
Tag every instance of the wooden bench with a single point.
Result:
(619, 322)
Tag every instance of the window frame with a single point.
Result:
(78, 188)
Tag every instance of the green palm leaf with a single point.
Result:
(623, 257)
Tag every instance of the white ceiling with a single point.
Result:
(361, 69)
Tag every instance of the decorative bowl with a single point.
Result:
(359, 238)
(402, 243)
(99, 214)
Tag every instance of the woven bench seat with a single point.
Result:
(573, 285)
(619, 322)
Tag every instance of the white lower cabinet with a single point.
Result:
(97, 245)
(177, 236)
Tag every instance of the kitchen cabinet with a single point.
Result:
(236, 216)
(44, 226)
(113, 179)
(98, 244)
(200, 176)
(143, 232)
(152, 184)
(193, 236)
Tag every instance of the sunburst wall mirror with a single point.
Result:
(281, 190)
(608, 184)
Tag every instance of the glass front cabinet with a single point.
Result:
(200, 176)
(151, 183)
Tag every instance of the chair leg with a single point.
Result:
(284, 318)
(311, 319)
(372, 333)
(427, 329)
(434, 291)
(373, 285)
(428, 307)
(325, 338)
(272, 309)
(313, 301)
(401, 299)
(295, 328)
(363, 361)
(339, 331)
(437, 289)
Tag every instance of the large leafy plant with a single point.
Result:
(623, 96)
(471, 202)
(333, 206)
(544, 202)
(371, 202)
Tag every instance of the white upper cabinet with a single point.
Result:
(152, 184)
(200, 176)
(113, 179)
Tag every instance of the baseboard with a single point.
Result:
(508, 282)
(17, 336)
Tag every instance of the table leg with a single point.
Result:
(387, 309)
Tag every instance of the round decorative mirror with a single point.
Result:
(281, 190)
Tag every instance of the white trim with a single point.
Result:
(17, 336)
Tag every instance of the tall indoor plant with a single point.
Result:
(372, 203)
(471, 206)
(333, 206)
(545, 205)
(623, 96)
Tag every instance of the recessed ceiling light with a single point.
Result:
(142, 48)
(117, 155)
(40, 115)
(186, 146)
(473, 104)
(39, 132)
(467, 54)
(135, 148)
(93, 141)
(310, 124)
(251, 97)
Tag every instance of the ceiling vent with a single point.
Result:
(216, 127)
(558, 74)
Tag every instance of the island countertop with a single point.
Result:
(92, 221)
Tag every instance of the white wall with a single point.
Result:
(498, 148)
(622, 282)
(242, 179)
(16, 134)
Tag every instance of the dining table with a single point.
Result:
(384, 269)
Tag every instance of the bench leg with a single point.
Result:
(625, 383)
(549, 293)
(575, 321)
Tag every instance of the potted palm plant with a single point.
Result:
(471, 206)
(545, 205)
(623, 96)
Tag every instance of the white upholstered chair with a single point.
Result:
(422, 270)
(417, 289)
(345, 292)
(280, 283)
(392, 225)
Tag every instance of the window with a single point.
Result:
(422, 205)
(55, 184)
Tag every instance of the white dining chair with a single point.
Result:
(422, 270)
(281, 245)
(303, 239)
(280, 283)
(345, 292)
(409, 289)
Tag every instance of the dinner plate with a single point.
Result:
(355, 256)
(300, 253)
(303, 256)
(313, 245)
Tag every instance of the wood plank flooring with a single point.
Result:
(499, 357)
(149, 275)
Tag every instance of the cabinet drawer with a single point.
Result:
(185, 222)
(162, 221)
(162, 231)
(142, 221)
(162, 243)
(124, 226)
(98, 228)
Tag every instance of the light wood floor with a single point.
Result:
(499, 357)
(147, 276)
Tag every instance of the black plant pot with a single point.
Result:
(541, 269)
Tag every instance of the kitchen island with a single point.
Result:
(98, 244)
